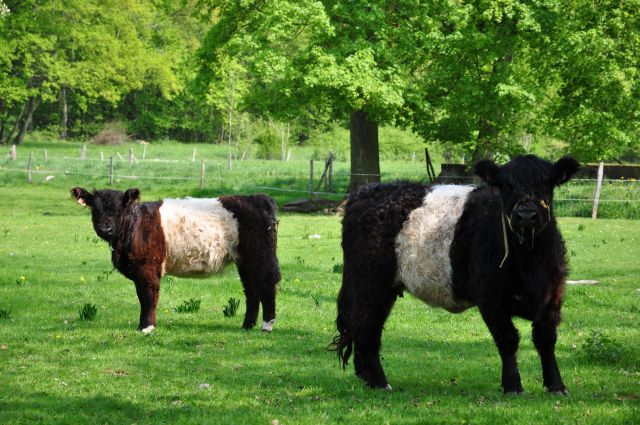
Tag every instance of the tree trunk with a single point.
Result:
(2, 126)
(32, 104)
(64, 117)
(16, 125)
(365, 158)
(486, 133)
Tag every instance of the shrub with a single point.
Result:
(113, 133)
(268, 145)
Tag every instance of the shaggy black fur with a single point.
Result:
(373, 217)
(529, 284)
(136, 238)
(258, 263)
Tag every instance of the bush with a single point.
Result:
(268, 145)
(599, 347)
(113, 133)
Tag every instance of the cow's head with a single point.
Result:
(107, 209)
(526, 185)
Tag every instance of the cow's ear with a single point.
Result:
(488, 171)
(131, 195)
(564, 169)
(83, 196)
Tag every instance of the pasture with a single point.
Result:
(201, 367)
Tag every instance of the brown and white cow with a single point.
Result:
(189, 238)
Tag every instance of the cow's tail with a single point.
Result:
(343, 343)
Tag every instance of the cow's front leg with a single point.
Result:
(506, 338)
(544, 338)
(148, 291)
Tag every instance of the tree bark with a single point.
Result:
(486, 133)
(31, 106)
(16, 124)
(64, 117)
(365, 156)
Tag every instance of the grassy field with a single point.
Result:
(202, 368)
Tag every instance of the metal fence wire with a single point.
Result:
(619, 198)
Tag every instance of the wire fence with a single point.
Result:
(619, 198)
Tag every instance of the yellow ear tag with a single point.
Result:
(544, 204)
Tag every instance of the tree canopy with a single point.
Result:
(480, 77)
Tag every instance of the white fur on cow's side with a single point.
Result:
(423, 245)
(201, 236)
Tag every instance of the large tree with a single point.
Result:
(348, 60)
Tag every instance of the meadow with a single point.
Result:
(201, 367)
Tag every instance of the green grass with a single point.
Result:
(56, 368)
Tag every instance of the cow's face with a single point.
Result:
(526, 185)
(107, 209)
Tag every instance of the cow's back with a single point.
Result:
(201, 236)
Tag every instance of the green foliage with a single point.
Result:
(338, 268)
(88, 312)
(598, 347)
(5, 314)
(231, 308)
(192, 305)
(268, 144)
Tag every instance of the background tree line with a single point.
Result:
(480, 77)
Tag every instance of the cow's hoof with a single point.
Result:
(148, 329)
(562, 392)
(514, 393)
(268, 326)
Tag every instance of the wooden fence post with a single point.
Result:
(596, 195)
(144, 150)
(83, 152)
(202, 170)
(13, 154)
(29, 165)
(101, 156)
(331, 173)
(193, 155)
(111, 171)
(119, 156)
(46, 156)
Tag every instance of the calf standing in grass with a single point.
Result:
(190, 238)
(496, 247)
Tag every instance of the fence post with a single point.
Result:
(46, 156)
(144, 150)
(29, 165)
(101, 156)
(111, 171)
(413, 157)
(13, 153)
(119, 156)
(596, 195)
(83, 152)
(310, 178)
(202, 170)
(193, 155)
(331, 173)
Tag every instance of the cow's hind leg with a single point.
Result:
(544, 338)
(252, 295)
(506, 338)
(368, 315)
